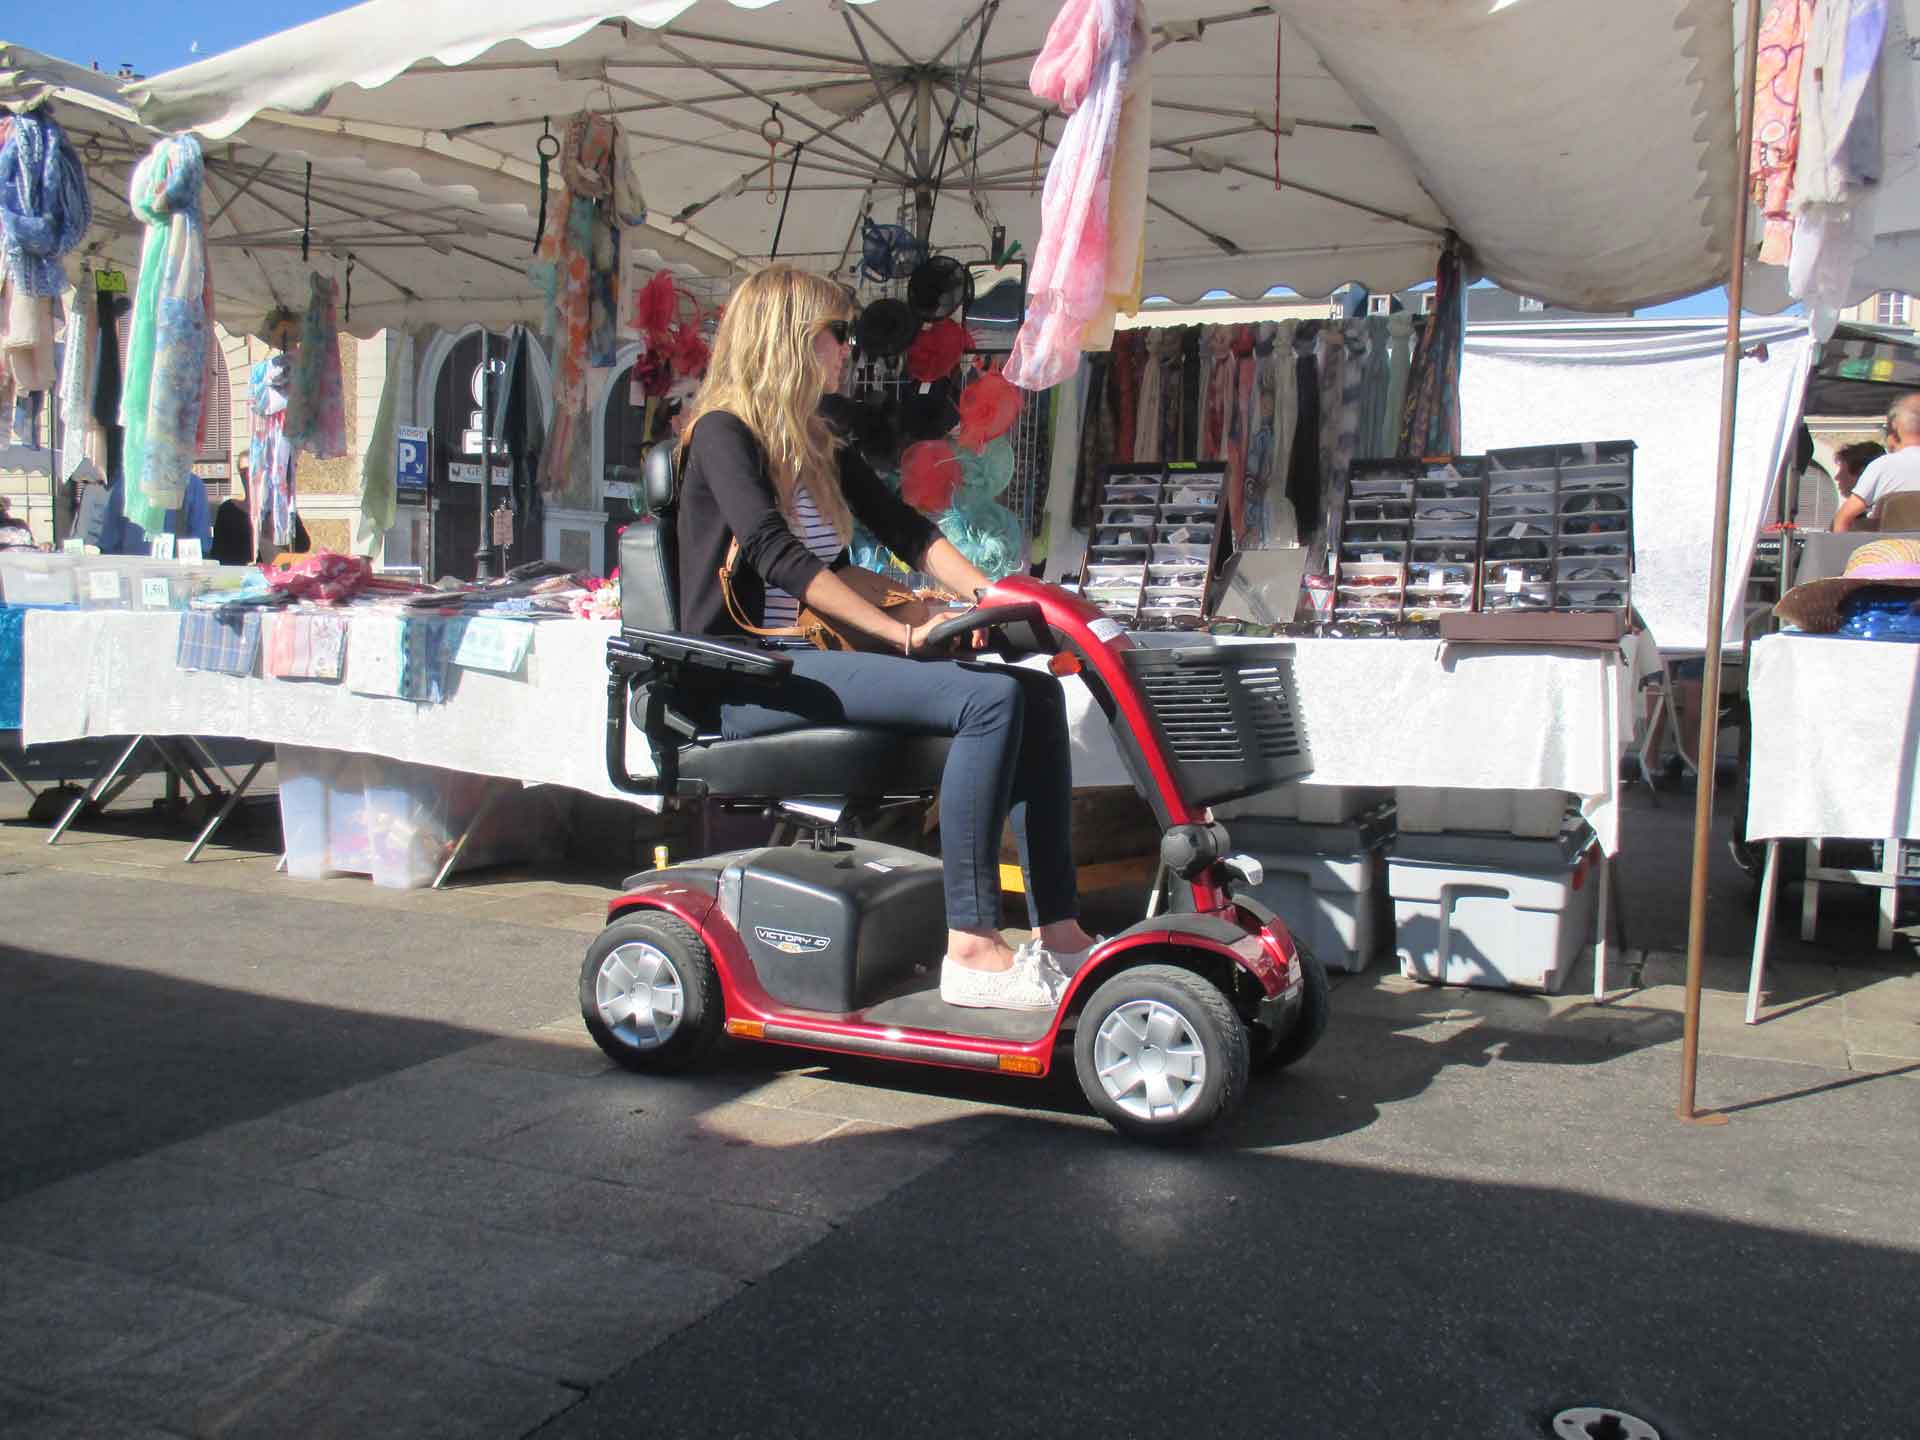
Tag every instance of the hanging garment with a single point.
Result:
(1128, 350)
(108, 309)
(1082, 68)
(1097, 440)
(1330, 359)
(1374, 441)
(379, 496)
(1776, 120)
(270, 456)
(1240, 422)
(1216, 390)
(1180, 419)
(1399, 361)
(1431, 425)
(44, 205)
(27, 339)
(79, 363)
(1160, 347)
(1127, 190)
(578, 270)
(1303, 465)
(316, 419)
(172, 322)
(1346, 423)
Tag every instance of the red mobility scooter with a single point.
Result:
(835, 943)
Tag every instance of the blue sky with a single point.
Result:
(151, 37)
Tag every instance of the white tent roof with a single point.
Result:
(418, 259)
(1583, 152)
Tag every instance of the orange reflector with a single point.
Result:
(747, 1029)
(1064, 662)
(1019, 1065)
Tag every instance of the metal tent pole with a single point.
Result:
(1717, 594)
(483, 557)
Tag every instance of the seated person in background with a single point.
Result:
(1850, 460)
(192, 521)
(14, 532)
(1895, 473)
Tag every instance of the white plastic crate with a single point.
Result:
(1499, 929)
(1427, 809)
(1336, 905)
(1314, 804)
(29, 577)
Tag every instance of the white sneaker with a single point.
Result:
(1025, 985)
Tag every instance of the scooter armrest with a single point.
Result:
(637, 651)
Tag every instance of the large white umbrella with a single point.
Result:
(1583, 153)
(417, 258)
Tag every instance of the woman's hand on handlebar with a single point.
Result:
(918, 647)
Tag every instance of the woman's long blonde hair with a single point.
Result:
(763, 372)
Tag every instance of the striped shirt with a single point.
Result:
(819, 536)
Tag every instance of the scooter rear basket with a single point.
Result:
(1228, 716)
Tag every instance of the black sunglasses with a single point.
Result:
(841, 330)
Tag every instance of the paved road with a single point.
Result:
(289, 1159)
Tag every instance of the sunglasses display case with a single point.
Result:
(1156, 544)
(1449, 525)
(1375, 540)
(1560, 528)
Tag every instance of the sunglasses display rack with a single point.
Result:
(1376, 535)
(1449, 523)
(1559, 528)
(1156, 544)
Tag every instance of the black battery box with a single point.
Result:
(832, 929)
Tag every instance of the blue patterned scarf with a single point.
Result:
(44, 208)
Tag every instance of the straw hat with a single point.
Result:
(1877, 565)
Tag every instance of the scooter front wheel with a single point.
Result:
(1269, 1051)
(650, 995)
(1160, 1053)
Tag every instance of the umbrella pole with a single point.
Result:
(483, 557)
(1716, 598)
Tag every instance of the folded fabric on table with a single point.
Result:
(304, 647)
(492, 644)
(400, 656)
(225, 642)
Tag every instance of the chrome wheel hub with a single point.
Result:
(639, 995)
(1150, 1061)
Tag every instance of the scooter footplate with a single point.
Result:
(925, 1010)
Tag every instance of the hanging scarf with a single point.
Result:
(316, 409)
(1240, 425)
(1161, 345)
(578, 269)
(1216, 390)
(1082, 69)
(379, 495)
(76, 380)
(1128, 348)
(1431, 425)
(1776, 120)
(172, 319)
(269, 456)
(44, 208)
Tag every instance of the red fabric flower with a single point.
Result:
(936, 350)
(688, 350)
(988, 408)
(929, 476)
(653, 373)
(657, 304)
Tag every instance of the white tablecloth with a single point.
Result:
(1377, 712)
(1836, 739)
(1417, 712)
(108, 672)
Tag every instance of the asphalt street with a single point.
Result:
(285, 1158)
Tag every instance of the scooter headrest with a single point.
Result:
(660, 480)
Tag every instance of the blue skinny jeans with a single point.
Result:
(1009, 761)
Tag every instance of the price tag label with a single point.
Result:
(161, 547)
(103, 585)
(154, 593)
(1373, 558)
(189, 548)
(1513, 582)
(73, 545)
(110, 282)
(1436, 579)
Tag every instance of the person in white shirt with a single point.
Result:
(1897, 472)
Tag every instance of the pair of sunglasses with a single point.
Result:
(841, 330)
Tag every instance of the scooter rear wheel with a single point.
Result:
(650, 995)
(1160, 1053)
(1270, 1052)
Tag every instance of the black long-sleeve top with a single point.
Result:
(727, 491)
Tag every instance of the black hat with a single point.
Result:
(865, 425)
(885, 328)
(938, 287)
(928, 412)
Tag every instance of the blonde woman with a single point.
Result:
(762, 467)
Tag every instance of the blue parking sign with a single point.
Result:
(410, 462)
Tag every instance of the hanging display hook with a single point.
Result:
(547, 147)
(773, 132)
(306, 219)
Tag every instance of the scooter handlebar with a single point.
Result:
(985, 617)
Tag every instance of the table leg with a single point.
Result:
(460, 845)
(1603, 927)
(1762, 930)
(100, 782)
(1889, 890)
(1810, 897)
(8, 770)
(220, 819)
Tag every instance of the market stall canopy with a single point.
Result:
(418, 259)
(1584, 153)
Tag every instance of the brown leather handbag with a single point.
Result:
(907, 606)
